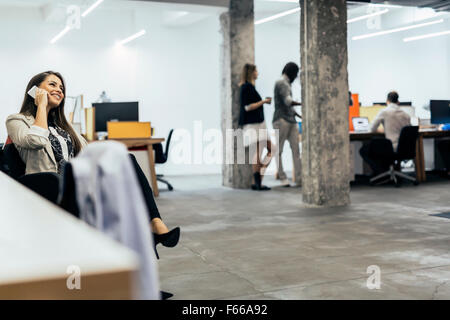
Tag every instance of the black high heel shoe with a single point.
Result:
(169, 239)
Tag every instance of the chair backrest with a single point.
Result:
(68, 198)
(169, 137)
(13, 161)
(3, 166)
(406, 148)
(160, 155)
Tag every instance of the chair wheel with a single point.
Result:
(416, 183)
(170, 187)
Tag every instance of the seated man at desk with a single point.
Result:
(393, 120)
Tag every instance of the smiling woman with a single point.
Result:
(41, 132)
(46, 141)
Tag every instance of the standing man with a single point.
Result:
(284, 121)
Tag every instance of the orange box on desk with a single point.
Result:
(128, 129)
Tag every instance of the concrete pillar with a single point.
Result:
(325, 138)
(238, 48)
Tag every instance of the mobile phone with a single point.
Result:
(32, 92)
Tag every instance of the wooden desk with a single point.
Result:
(145, 142)
(420, 156)
(362, 136)
(419, 161)
(39, 241)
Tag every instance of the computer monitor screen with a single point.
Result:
(114, 111)
(440, 111)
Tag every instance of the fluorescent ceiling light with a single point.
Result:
(415, 26)
(277, 16)
(380, 5)
(430, 35)
(379, 13)
(292, 11)
(59, 35)
(88, 10)
(67, 29)
(134, 36)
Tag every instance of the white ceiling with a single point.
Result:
(175, 13)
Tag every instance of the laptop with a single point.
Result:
(361, 124)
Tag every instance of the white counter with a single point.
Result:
(39, 241)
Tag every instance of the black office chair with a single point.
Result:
(3, 166)
(45, 184)
(68, 199)
(161, 157)
(382, 150)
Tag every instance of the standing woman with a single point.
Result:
(46, 141)
(251, 118)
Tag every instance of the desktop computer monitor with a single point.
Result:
(440, 111)
(114, 111)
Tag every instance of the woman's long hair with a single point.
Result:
(55, 114)
(247, 73)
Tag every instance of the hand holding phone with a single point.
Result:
(40, 96)
(32, 92)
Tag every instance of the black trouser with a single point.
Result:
(146, 190)
(377, 165)
(444, 150)
(47, 185)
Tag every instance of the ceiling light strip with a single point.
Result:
(379, 13)
(277, 16)
(430, 35)
(134, 36)
(380, 5)
(375, 34)
(67, 29)
(59, 35)
(88, 10)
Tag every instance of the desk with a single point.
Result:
(420, 157)
(419, 161)
(145, 142)
(362, 136)
(39, 241)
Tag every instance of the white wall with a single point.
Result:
(418, 70)
(175, 72)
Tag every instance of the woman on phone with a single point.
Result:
(46, 141)
(253, 124)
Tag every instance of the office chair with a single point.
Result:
(45, 184)
(382, 150)
(68, 198)
(161, 157)
(3, 166)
